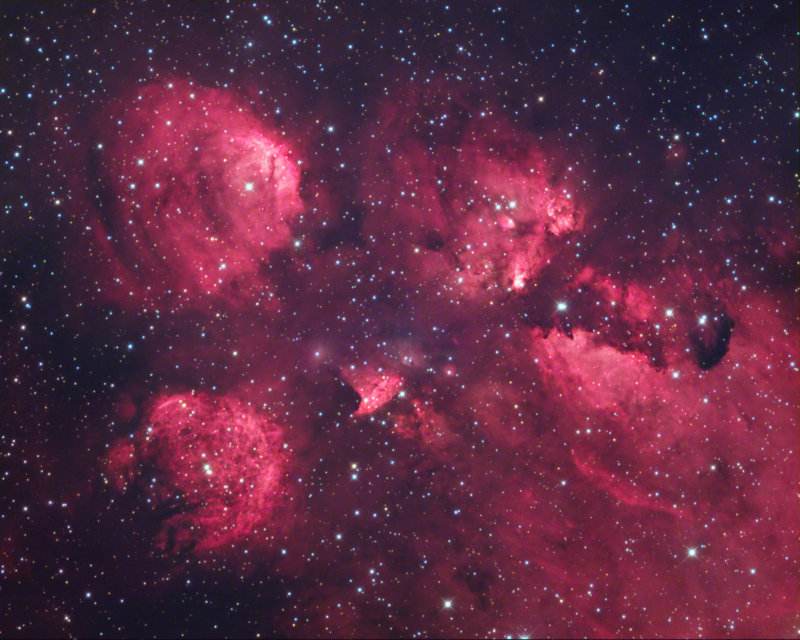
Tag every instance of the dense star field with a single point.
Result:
(399, 319)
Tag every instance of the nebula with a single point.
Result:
(193, 193)
(213, 469)
(454, 320)
(375, 387)
(470, 205)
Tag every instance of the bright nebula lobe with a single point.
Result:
(481, 215)
(214, 468)
(201, 192)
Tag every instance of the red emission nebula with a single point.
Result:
(202, 192)
(216, 462)
(420, 356)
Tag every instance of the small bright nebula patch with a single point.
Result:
(214, 470)
(374, 385)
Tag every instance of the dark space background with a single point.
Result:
(399, 319)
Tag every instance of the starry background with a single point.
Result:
(405, 319)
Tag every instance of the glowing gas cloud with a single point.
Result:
(193, 192)
(213, 467)
(399, 320)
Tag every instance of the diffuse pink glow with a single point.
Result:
(592, 418)
(480, 216)
(399, 320)
(217, 470)
(623, 490)
(198, 192)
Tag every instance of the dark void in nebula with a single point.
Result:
(410, 320)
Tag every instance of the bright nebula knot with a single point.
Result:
(374, 385)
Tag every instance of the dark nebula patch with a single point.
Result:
(711, 340)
